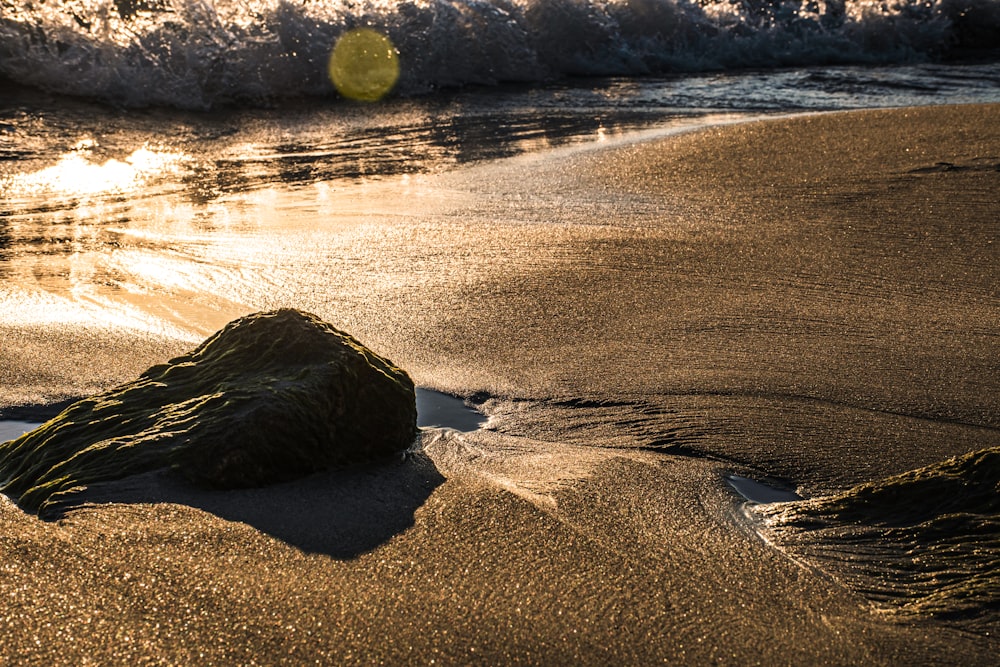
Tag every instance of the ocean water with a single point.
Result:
(103, 204)
(131, 128)
(116, 185)
(167, 165)
(202, 99)
(200, 53)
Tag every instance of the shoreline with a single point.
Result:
(166, 337)
(771, 297)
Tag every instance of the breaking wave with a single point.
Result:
(203, 53)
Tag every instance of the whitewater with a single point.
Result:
(198, 54)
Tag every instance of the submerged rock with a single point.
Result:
(271, 397)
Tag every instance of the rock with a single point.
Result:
(271, 397)
(925, 542)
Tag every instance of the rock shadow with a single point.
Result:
(340, 513)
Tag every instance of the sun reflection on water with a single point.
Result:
(179, 235)
(78, 174)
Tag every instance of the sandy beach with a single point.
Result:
(810, 300)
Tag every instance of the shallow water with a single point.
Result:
(759, 492)
(439, 410)
(191, 54)
(10, 429)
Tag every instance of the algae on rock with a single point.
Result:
(924, 541)
(271, 397)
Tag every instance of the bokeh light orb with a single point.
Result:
(364, 65)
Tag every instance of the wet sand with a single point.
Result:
(812, 300)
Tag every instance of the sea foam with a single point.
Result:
(200, 53)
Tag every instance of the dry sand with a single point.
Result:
(813, 299)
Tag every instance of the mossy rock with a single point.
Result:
(926, 541)
(269, 398)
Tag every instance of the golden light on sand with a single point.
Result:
(364, 65)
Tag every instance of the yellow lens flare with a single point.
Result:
(364, 65)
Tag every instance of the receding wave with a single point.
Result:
(926, 542)
(200, 53)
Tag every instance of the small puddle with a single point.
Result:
(758, 492)
(10, 429)
(444, 411)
